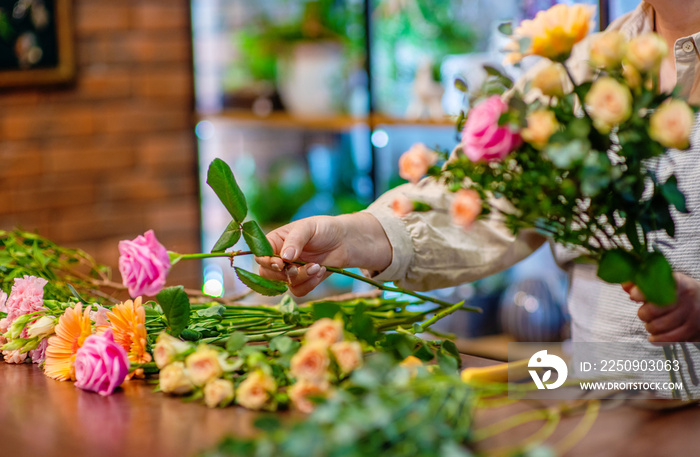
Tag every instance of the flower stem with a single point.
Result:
(445, 312)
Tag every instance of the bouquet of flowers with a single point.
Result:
(576, 161)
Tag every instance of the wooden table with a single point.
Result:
(42, 417)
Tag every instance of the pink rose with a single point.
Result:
(482, 138)
(144, 264)
(414, 163)
(465, 208)
(101, 365)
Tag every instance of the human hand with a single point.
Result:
(353, 240)
(674, 323)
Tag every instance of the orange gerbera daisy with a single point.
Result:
(72, 329)
(128, 321)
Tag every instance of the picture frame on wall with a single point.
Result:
(36, 43)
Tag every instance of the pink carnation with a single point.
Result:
(3, 299)
(14, 356)
(26, 297)
(38, 355)
(482, 138)
(144, 264)
(101, 365)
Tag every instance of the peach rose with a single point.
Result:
(554, 32)
(255, 391)
(609, 103)
(541, 125)
(301, 392)
(550, 80)
(348, 355)
(465, 208)
(402, 206)
(310, 362)
(327, 330)
(608, 49)
(167, 349)
(671, 124)
(203, 365)
(218, 392)
(414, 163)
(632, 77)
(646, 52)
(173, 379)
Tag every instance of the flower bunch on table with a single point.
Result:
(575, 160)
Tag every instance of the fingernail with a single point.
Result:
(292, 271)
(313, 269)
(289, 254)
(275, 267)
(322, 272)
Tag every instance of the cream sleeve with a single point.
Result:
(429, 252)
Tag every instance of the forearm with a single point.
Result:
(367, 244)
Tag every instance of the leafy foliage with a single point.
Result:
(176, 308)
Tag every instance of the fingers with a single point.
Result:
(669, 321)
(682, 333)
(648, 311)
(301, 279)
(299, 235)
(303, 288)
(635, 293)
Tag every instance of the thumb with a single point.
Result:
(297, 238)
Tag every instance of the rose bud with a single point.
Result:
(609, 103)
(218, 392)
(608, 49)
(541, 125)
(167, 349)
(646, 52)
(326, 330)
(348, 355)
(414, 163)
(550, 80)
(301, 393)
(465, 208)
(203, 365)
(254, 392)
(671, 124)
(173, 379)
(311, 362)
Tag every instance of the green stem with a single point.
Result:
(207, 255)
(446, 312)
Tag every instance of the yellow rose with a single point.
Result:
(609, 103)
(541, 125)
(218, 392)
(550, 80)
(671, 124)
(608, 49)
(203, 365)
(167, 349)
(554, 32)
(255, 390)
(646, 52)
(327, 330)
(173, 379)
(300, 394)
(310, 362)
(412, 364)
(348, 355)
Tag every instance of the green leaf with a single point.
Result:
(259, 284)
(75, 293)
(655, 279)
(284, 344)
(673, 195)
(236, 341)
(230, 237)
(362, 325)
(447, 361)
(220, 179)
(267, 423)
(257, 242)
(461, 84)
(176, 308)
(506, 28)
(216, 310)
(191, 335)
(617, 266)
(325, 309)
(290, 311)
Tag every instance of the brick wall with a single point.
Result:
(113, 154)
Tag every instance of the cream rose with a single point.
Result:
(300, 395)
(550, 80)
(326, 330)
(203, 365)
(608, 49)
(646, 52)
(541, 125)
(173, 379)
(167, 349)
(255, 391)
(414, 163)
(609, 103)
(348, 355)
(310, 362)
(218, 392)
(671, 124)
